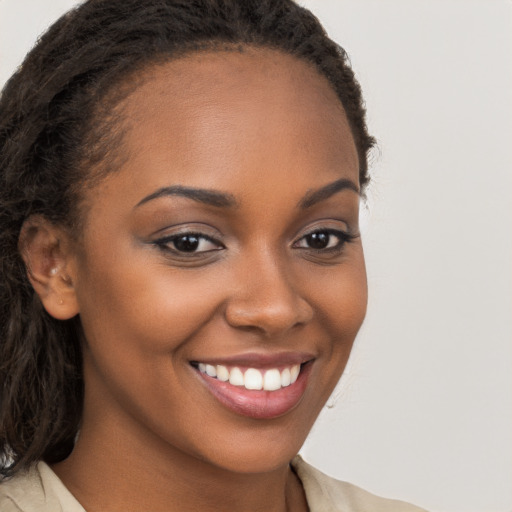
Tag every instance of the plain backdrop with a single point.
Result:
(424, 410)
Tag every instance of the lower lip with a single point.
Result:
(258, 404)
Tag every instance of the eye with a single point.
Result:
(324, 240)
(189, 243)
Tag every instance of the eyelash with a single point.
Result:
(343, 238)
(164, 243)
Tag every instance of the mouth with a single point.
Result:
(252, 378)
(261, 391)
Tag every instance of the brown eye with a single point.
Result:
(322, 240)
(191, 243)
(318, 240)
(186, 243)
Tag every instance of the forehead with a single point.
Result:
(227, 76)
(233, 120)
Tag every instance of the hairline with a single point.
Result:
(108, 114)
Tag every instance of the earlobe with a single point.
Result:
(46, 251)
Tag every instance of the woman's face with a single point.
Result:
(227, 244)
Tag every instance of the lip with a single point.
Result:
(261, 360)
(259, 404)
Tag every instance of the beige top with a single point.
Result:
(40, 490)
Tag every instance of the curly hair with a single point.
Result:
(56, 123)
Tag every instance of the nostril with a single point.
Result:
(266, 296)
(269, 318)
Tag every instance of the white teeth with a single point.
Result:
(294, 373)
(286, 377)
(272, 380)
(222, 373)
(211, 370)
(236, 377)
(253, 379)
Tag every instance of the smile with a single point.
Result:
(259, 389)
(252, 378)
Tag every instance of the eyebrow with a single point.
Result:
(201, 195)
(315, 196)
(225, 200)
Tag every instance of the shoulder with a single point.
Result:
(326, 494)
(36, 490)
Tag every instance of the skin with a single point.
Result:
(268, 130)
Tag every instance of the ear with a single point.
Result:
(47, 252)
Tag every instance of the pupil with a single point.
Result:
(318, 240)
(186, 243)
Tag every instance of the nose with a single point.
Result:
(266, 299)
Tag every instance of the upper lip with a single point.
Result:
(259, 359)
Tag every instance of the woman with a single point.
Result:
(182, 270)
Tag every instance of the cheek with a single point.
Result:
(342, 299)
(134, 304)
(157, 309)
(140, 322)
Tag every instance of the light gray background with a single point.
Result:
(424, 411)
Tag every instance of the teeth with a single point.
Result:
(272, 380)
(222, 373)
(294, 373)
(211, 370)
(286, 377)
(254, 379)
(236, 377)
